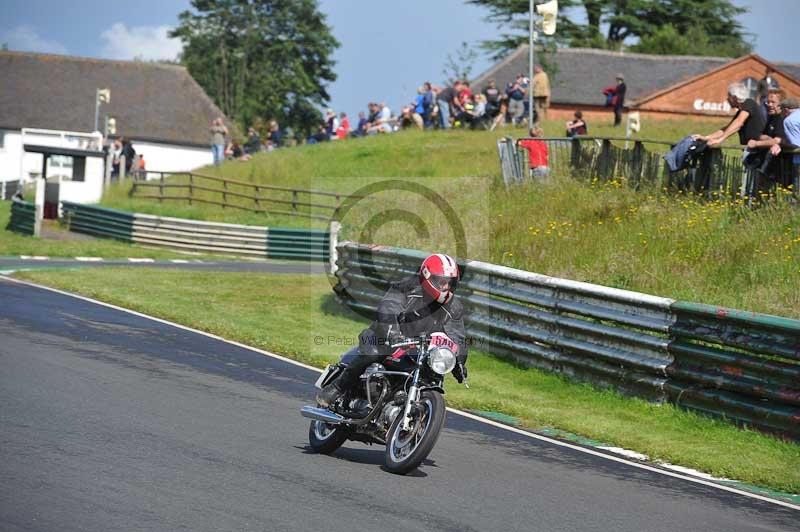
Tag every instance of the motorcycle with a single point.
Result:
(399, 403)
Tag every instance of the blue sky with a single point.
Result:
(388, 47)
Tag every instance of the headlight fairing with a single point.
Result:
(441, 360)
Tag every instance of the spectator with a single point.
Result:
(331, 124)
(129, 153)
(275, 135)
(791, 127)
(619, 99)
(516, 96)
(141, 167)
(419, 107)
(492, 95)
(541, 93)
(445, 100)
(383, 122)
(253, 144)
(344, 127)
(747, 121)
(320, 136)
(537, 153)
(577, 126)
(428, 103)
(764, 85)
(116, 153)
(764, 149)
(218, 133)
(363, 123)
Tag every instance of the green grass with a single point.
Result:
(718, 253)
(296, 316)
(14, 244)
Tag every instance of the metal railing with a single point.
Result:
(727, 363)
(718, 172)
(23, 217)
(196, 236)
(230, 193)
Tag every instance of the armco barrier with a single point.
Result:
(727, 363)
(23, 217)
(197, 236)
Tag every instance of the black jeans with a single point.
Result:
(358, 358)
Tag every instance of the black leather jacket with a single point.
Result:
(407, 308)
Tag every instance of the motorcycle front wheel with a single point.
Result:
(405, 450)
(325, 438)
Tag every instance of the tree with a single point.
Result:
(460, 66)
(713, 21)
(260, 58)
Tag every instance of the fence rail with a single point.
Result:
(23, 217)
(718, 172)
(196, 236)
(231, 193)
(738, 365)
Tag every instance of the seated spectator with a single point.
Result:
(320, 136)
(537, 153)
(275, 136)
(383, 123)
(234, 151)
(363, 124)
(577, 126)
(344, 127)
(253, 144)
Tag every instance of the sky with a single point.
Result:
(388, 48)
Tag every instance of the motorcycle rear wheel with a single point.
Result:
(405, 450)
(324, 438)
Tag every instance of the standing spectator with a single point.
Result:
(129, 153)
(764, 85)
(141, 167)
(791, 127)
(331, 124)
(541, 93)
(445, 100)
(577, 126)
(516, 99)
(218, 133)
(492, 94)
(363, 123)
(747, 121)
(428, 104)
(619, 99)
(537, 153)
(116, 152)
(767, 146)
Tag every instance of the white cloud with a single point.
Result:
(25, 39)
(141, 42)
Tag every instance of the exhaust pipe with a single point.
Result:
(321, 414)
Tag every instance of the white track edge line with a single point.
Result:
(455, 411)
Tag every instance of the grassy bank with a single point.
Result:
(297, 316)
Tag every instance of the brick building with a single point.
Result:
(659, 86)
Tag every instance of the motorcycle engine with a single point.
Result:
(388, 414)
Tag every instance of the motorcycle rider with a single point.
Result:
(417, 305)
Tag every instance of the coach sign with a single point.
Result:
(702, 105)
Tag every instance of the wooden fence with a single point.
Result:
(230, 193)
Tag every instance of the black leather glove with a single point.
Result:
(460, 372)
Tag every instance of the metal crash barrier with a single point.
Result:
(197, 236)
(727, 363)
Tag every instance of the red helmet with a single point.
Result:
(438, 276)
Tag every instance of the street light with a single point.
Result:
(101, 96)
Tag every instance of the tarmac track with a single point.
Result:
(112, 421)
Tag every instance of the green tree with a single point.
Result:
(460, 66)
(260, 58)
(712, 21)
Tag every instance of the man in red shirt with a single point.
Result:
(537, 153)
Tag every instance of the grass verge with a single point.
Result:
(296, 316)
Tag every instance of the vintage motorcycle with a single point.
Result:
(398, 403)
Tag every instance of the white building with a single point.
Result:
(49, 101)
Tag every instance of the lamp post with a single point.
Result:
(532, 40)
(101, 96)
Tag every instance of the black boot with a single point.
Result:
(329, 394)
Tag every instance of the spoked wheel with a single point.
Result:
(405, 450)
(325, 438)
